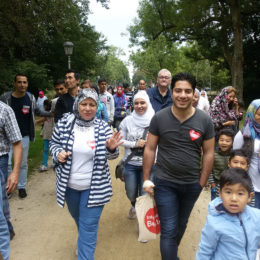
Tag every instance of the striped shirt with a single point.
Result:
(100, 188)
(9, 129)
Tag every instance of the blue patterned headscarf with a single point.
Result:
(251, 128)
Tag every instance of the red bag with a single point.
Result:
(148, 219)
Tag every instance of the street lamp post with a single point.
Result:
(68, 48)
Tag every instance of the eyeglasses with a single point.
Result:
(164, 77)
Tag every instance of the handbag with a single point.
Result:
(119, 171)
(148, 219)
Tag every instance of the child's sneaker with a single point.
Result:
(132, 213)
(43, 169)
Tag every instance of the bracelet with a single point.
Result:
(148, 184)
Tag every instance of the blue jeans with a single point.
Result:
(4, 232)
(6, 208)
(24, 164)
(86, 219)
(257, 200)
(174, 204)
(45, 154)
(133, 182)
(214, 193)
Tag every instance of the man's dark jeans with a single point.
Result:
(174, 204)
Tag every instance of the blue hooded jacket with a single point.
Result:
(226, 236)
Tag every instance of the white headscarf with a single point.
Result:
(144, 119)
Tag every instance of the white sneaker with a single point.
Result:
(143, 241)
(43, 168)
(132, 213)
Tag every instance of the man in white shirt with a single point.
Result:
(107, 99)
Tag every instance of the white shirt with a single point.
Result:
(108, 100)
(82, 158)
(253, 169)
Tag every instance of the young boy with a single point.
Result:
(221, 156)
(232, 228)
(239, 159)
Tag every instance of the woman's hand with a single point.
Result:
(114, 141)
(229, 123)
(62, 156)
(141, 143)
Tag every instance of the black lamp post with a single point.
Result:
(68, 48)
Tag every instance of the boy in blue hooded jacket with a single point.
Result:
(232, 228)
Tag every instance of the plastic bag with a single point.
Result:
(148, 219)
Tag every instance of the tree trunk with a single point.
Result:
(237, 58)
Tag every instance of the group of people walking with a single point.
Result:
(168, 133)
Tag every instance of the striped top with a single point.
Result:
(100, 188)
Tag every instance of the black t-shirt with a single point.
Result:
(64, 105)
(179, 147)
(22, 108)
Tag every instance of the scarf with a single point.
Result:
(251, 128)
(198, 92)
(82, 95)
(219, 110)
(122, 92)
(143, 120)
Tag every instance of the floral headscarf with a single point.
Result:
(219, 110)
(251, 128)
(82, 95)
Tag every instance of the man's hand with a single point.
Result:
(148, 187)
(12, 182)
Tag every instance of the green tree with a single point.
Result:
(215, 25)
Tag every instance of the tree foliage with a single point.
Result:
(219, 27)
(32, 34)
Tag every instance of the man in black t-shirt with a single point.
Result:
(180, 132)
(65, 102)
(24, 106)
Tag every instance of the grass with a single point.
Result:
(35, 152)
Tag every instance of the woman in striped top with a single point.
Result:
(81, 144)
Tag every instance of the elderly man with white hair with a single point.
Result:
(160, 96)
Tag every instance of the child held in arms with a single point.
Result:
(232, 228)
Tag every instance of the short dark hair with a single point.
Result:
(227, 132)
(233, 176)
(19, 75)
(95, 88)
(125, 85)
(76, 74)
(239, 152)
(58, 82)
(47, 104)
(184, 76)
(101, 80)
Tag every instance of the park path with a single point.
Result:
(44, 231)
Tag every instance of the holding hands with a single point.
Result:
(114, 141)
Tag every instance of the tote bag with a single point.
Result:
(148, 219)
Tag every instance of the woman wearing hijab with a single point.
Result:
(196, 98)
(224, 110)
(203, 101)
(249, 139)
(133, 128)
(120, 106)
(81, 144)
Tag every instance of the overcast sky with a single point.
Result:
(114, 21)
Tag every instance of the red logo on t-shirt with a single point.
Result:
(151, 221)
(91, 144)
(194, 135)
(25, 110)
